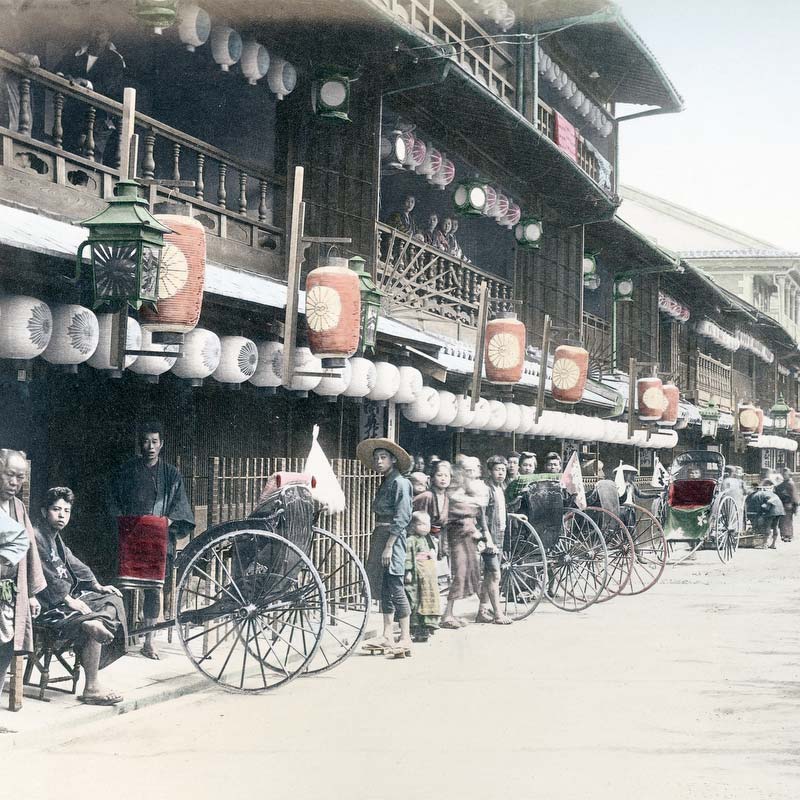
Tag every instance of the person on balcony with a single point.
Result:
(76, 606)
(429, 234)
(453, 247)
(403, 220)
(99, 66)
(441, 236)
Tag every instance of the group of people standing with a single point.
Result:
(443, 519)
(437, 231)
(771, 507)
(42, 579)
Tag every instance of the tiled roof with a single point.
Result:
(751, 253)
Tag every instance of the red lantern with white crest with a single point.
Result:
(333, 311)
(180, 280)
(672, 396)
(570, 369)
(749, 420)
(504, 357)
(650, 394)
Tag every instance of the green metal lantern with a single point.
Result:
(709, 421)
(528, 233)
(623, 289)
(331, 98)
(156, 14)
(370, 304)
(125, 241)
(470, 198)
(780, 415)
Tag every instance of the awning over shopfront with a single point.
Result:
(774, 443)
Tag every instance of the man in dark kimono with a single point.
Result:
(75, 605)
(144, 486)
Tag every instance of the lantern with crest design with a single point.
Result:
(570, 370)
(504, 357)
(650, 396)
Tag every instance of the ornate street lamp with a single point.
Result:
(470, 198)
(370, 304)
(331, 98)
(709, 416)
(780, 416)
(528, 233)
(125, 242)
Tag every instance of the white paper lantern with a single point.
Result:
(483, 412)
(226, 46)
(269, 370)
(201, 354)
(238, 360)
(513, 418)
(387, 382)
(410, 385)
(448, 409)
(255, 61)
(497, 416)
(576, 101)
(424, 408)
(335, 385)
(585, 107)
(101, 358)
(304, 361)
(153, 366)
(26, 325)
(76, 334)
(194, 26)
(363, 377)
(465, 414)
(282, 77)
(527, 420)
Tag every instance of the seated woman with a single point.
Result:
(75, 605)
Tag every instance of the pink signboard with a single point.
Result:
(566, 136)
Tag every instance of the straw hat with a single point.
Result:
(366, 448)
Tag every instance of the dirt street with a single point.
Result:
(689, 691)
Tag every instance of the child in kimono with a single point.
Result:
(421, 580)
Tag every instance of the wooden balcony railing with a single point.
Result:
(597, 340)
(67, 135)
(475, 50)
(712, 379)
(418, 278)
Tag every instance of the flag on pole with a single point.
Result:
(572, 480)
(660, 474)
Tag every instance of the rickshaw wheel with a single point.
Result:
(250, 610)
(725, 528)
(650, 551)
(523, 569)
(577, 564)
(620, 551)
(347, 599)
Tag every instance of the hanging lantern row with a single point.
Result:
(403, 150)
(672, 308)
(558, 78)
(195, 28)
(717, 335)
(476, 198)
(754, 346)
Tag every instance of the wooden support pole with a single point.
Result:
(126, 133)
(631, 395)
(543, 366)
(294, 258)
(480, 343)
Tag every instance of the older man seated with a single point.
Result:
(76, 606)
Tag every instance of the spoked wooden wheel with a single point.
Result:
(577, 564)
(251, 610)
(620, 551)
(725, 528)
(649, 547)
(347, 599)
(523, 570)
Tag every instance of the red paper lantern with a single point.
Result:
(333, 311)
(180, 282)
(570, 369)
(504, 357)
(650, 394)
(672, 396)
(751, 419)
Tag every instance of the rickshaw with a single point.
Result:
(553, 551)
(694, 509)
(263, 600)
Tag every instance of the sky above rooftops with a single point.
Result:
(734, 153)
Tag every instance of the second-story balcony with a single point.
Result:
(60, 155)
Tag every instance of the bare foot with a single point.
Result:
(148, 651)
(100, 696)
(97, 631)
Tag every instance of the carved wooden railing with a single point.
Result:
(67, 135)
(475, 50)
(416, 277)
